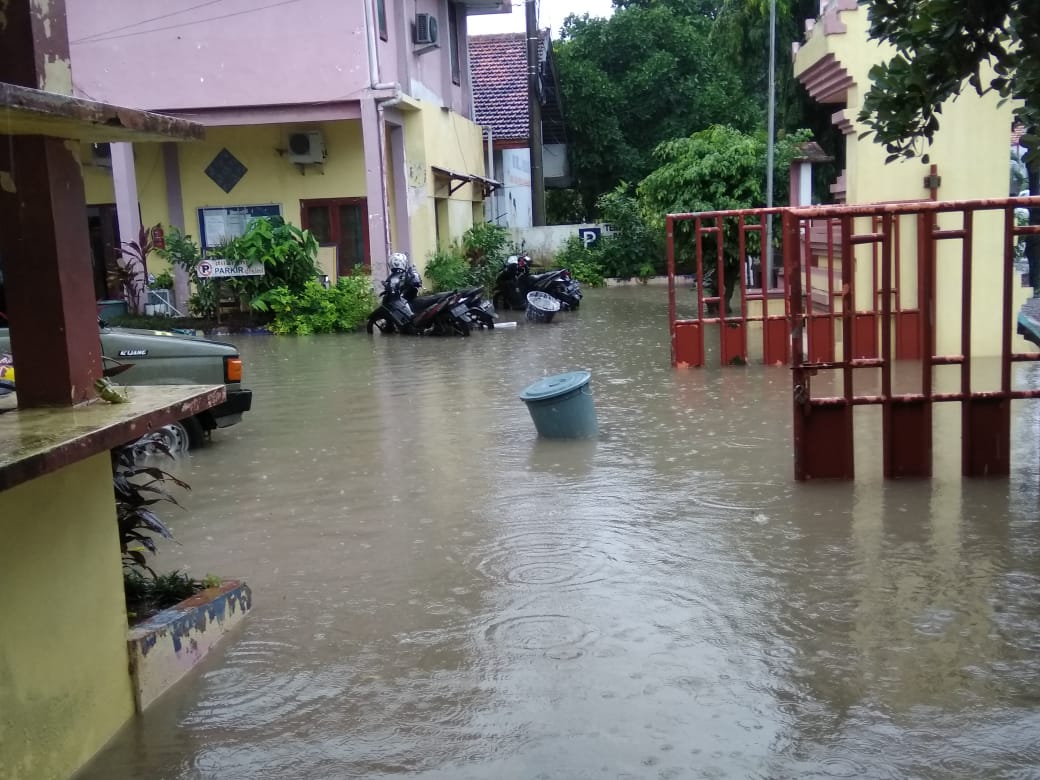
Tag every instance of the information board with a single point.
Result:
(220, 224)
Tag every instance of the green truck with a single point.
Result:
(165, 358)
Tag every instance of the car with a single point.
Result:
(160, 357)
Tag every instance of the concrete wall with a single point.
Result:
(971, 151)
(544, 242)
(433, 137)
(181, 54)
(178, 54)
(64, 685)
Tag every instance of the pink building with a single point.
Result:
(349, 117)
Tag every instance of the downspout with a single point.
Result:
(489, 207)
(373, 59)
(381, 103)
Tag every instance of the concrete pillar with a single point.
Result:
(378, 225)
(128, 209)
(175, 218)
(402, 219)
(44, 243)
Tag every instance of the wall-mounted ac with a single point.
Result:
(306, 148)
(424, 31)
(101, 155)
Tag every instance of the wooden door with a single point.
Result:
(342, 223)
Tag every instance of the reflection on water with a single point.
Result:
(439, 594)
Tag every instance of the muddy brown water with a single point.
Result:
(438, 594)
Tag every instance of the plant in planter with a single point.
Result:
(129, 271)
(139, 487)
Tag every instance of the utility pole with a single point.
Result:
(767, 250)
(534, 108)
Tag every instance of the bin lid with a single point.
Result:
(552, 386)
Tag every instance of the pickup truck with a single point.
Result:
(165, 358)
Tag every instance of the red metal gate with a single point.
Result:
(823, 431)
(688, 333)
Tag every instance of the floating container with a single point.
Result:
(541, 306)
(561, 406)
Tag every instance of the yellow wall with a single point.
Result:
(64, 684)
(971, 151)
(432, 137)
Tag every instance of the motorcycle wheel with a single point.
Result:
(461, 328)
(482, 319)
(379, 320)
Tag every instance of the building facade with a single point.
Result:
(352, 118)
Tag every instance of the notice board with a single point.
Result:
(221, 223)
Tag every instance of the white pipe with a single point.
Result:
(373, 59)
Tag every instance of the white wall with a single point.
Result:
(544, 242)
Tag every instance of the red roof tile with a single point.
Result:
(499, 67)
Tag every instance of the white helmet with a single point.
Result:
(398, 261)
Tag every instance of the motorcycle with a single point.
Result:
(516, 280)
(447, 315)
(481, 313)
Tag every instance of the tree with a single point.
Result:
(646, 75)
(717, 169)
(943, 47)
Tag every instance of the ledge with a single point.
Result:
(167, 646)
(25, 111)
(34, 442)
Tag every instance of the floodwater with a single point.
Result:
(438, 594)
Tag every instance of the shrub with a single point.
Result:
(447, 269)
(485, 244)
(580, 261)
(163, 281)
(181, 250)
(344, 306)
(634, 249)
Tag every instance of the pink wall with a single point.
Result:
(170, 54)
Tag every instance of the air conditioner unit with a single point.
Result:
(101, 155)
(425, 29)
(306, 148)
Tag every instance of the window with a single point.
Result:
(381, 19)
(453, 44)
(342, 223)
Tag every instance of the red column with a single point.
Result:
(44, 245)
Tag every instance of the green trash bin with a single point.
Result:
(561, 406)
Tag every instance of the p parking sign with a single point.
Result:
(589, 236)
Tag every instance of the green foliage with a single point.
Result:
(447, 269)
(716, 169)
(138, 487)
(146, 596)
(127, 272)
(943, 47)
(580, 261)
(289, 256)
(163, 281)
(485, 242)
(475, 264)
(647, 74)
(343, 307)
(635, 248)
(181, 250)
(564, 207)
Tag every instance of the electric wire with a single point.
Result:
(188, 24)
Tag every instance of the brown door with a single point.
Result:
(342, 223)
(103, 225)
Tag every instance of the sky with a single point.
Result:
(551, 14)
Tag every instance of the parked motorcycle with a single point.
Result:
(447, 315)
(480, 312)
(516, 280)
